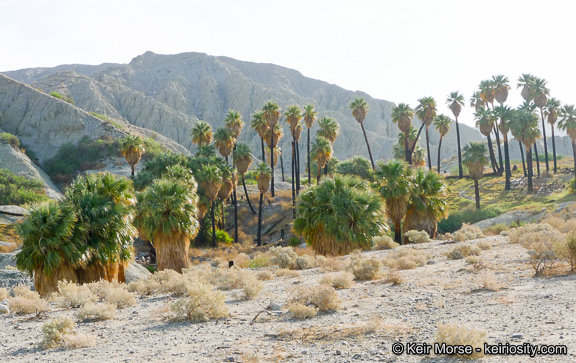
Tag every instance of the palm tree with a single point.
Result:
(202, 134)
(293, 117)
(426, 204)
(485, 122)
(340, 215)
(530, 106)
(525, 81)
(264, 175)
(501, 88)
(260, 126)
(394, 182)
(455, 102)
(132, 148)
(403, 115)
(271, 113)
(476, 101)
(242, 159)
(297, 135)
(442, 124)
(475, 159)
(309, 117)
(229, 181)
(568, 123)
(426, 112)
(488, 94)
(321, 153)
(210, 178)
(417, 153)
(273, 158)
(541, 93)
(551, 111)
(207, 151)
(53, 245)
(234, 123)
(224, 141)
(504, 113)
(329, 129)
(359, 110)
(524, 126)
(166, 216)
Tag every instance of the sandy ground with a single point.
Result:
(525, 310)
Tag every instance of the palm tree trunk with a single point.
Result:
(309, 180)
(272, 164)
(554, 148)
(326, 169)
(282, 165)
(416, 141)
(492, 157)
(319, 173)
(545, 142)
(297, 170)
(235, 217)
(260, 219)
(460, 172)
(398, 232)
(406, 149)
(133, 167)
(522, 155)
(499, 150)
(247, 197)
(213, 227)
(537, 158)
(367, 144)
(530, 170)
(293, 189)
(439, 148)
(222, 214)
(262, 144)
(574, 153)
(477, 193)
(428, 150)
(508, 171)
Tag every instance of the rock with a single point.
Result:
(7, 259)
(4, 308)
(7, 244)
(274, 306)
(338, 352)
(11, 278)
(135, 272)
(13, 209)
(230, 359)
(517, 336)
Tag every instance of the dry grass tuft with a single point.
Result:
(284, 257)
(472, 260)
(468, 232)
(488, 281)
(26, 301)
(417, 236)
(242, 260)
(462, 251)
(383, 243)
(330, 263)
(305, 262)
(300, 311)
(72, 295)
(75, 341)
(484, 245)
(365, 268)
(54, 331)
(113, 293)
(288, 273)
(202, 304)
(265, 275)
(323, 297)
(405, 258)
(394, 277)
(4, 293)
(453, 334)
(338, 280)
(92, 311)
(517, 234)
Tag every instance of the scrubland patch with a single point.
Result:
(321, 297)
(26, 301)
(72, 295)
(338, 280)
(454, 334)
(4, 293)
(417, 236)
(463, 251)
(468, 232)
(405, 259)
(201, 304)
(330, 263)
(383, 243)
(98, 311)
(365, 268)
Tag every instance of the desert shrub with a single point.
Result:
(92, 311)
(26, 301)
(330, 263)
(417, 236)
(236, 278)
(394, 277)
(144, 287)
(338, 280)
(468, 232)
(242, 260)
(488, 281)
(405, 258)
(365, 268)
(305, 262)
(453, 334)
(284, 257)
(54, 330)
(61, 97)
(112, 293)
(483, 245)
(202, 303)
(560, 224)
(544, 248)
(566, 250)
(4, 293)
(301, 311)
(261, 260)
(71, 295)
(322, 297)
(466, 215)
(78, 341)
(517, 234)
(472, 260)
(18, 190)
(383, 243)
(265, 275)
(495, 230)
(10, 139)
(358, 166)
(463, 251)
(285, 272)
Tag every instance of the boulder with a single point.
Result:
(7, 259)
(11, 278)
(135, 272)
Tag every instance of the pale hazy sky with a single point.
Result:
(394, 50)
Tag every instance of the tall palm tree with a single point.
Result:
(475, 159)
(210, 179)
(541, 93)
(224, 141)
(485, 122)
(202, 134)
(501, 88)
(455, 102)
(504, 113)
(417, 153)
(426, 112)
(297, 135)
(340, 215)
(359, 110)
(530, 106)
(402, 115)
(329, 129)
(242, 159)
(568, 124)
(132, 148)
(442, 124)
(309, 118)
(260, 126)
(426, 204)
(488, 94)
(264, 175)
(226, 188)
(476, 101)
(271, 113)
(321, 153)
(394, 179)
(166, 216)
(234, 123)
(293, 117)
(524, 126)
(551, 111)
(525, 81)
(206, 151)
(53, 245)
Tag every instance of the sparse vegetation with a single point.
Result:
(98, 311)
(55, 330)
(383, 243)
(338, 280)
(365, 268)
(202, 303)
(405, 259)
(10, 139)
(25, 301)
(417, 236)
(468, 232)
(18, 190)
(61, 97)
(463, 251)
(322, 297)
(454, 334)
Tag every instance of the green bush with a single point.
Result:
(358, 166)
(467, 215)
(153, 149)
(60, 97)
(10, 139)
(17, 190)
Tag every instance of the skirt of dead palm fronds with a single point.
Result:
(419, 221)
(96, 271)
(324, 245)
(226, 189)
(172, 251)
(47, 284)
(211, 189)
(263, 182)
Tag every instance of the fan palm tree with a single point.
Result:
(402, 115)
(541, 93)
(475, 159)
(525, 81)
(309, 118)
(488, 94)
(242, 159)
(132, 148)
(234, 123)
(501, 88)
(504, 113)
(297, 135)
(418, 154)
(485, 122)
(476, 101)
(293, 117)
(202, 134)
(263, 175)
(329, 129)
(206, 151)
(455, 102)
(394, 180)
(426, 204)
(340, 215)
(426, 112)
(321, 153)
(524, 126)
(210, 179)
(568, 124)
(229, 181)
(53, 244)
(224, 141)
(551, 111)
(530, 106)
(271, 113)
(260, 126)
(442, 124)
(359, 110)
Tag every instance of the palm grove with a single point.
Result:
(177, 200)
